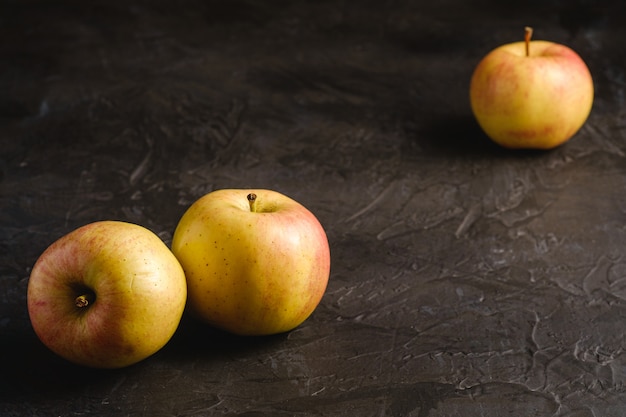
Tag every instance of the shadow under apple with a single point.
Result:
(195, 340)
(31, 372)
(459, 136)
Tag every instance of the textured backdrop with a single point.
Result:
(466, 279)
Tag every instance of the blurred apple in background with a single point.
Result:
(256, 261)
(106, 295)
(531, 94)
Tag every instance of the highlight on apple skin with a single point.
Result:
(531, 94)
(257, 262)
(106, 295)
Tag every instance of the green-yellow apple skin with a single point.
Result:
(133, 292)
(252, 271)
(537, 101)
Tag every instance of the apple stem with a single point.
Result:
(83, 300)
(528, 33)
(252, 202)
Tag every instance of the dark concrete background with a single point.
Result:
(467, 280)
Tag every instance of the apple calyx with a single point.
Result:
(528, 33)
(84, 300)
(252, 201)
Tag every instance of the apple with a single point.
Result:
(531, 94)
(256, 261)
(106, 295)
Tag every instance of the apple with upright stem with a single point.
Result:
(533, 94)
(106, 295)
(256, 261)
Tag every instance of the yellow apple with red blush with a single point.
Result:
(257, 262)
(106, 295)
(532, 94)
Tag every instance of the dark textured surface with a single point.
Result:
(467, 280)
